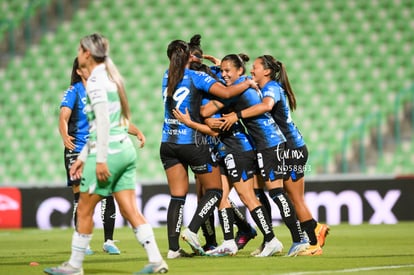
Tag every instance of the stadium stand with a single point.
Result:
(347, 62)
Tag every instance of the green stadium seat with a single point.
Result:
(345, 60)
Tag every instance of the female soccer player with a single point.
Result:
(245, 231)
(73, 128)
(279, 99)
(183, 147)
(270, 143)
(238, 160)
(107, 163)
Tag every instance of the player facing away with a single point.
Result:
(107, 163)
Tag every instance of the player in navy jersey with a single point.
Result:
(238, 162)
(74, 130)
(183, 147)
(279, 99)
(245, 231)
(269, 142)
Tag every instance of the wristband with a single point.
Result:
(215, 104)
(239, 115)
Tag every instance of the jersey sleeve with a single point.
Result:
(202, 81)
(96, 92)
(69, 98)
(273, 92)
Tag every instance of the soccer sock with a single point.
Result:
(262, 221)
(75, 207)
(174, 221)
(264, 200)
(145, 237)
(209, 231)
(205, 208)
(309, 227)
(226, 216)
(79, 244)
(287, 212)
(239, 218)
(108, 217)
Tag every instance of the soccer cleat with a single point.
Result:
(321, 231)
(208, 247)
(258, 250)
(152, 268)
(110, 247)
(89, 251)
(242, 238)
(271, 248)
(296, 248)
(192, 239)
(180, 253)
(305, 236)
(227, 248)
(63, 269)
(312, 250)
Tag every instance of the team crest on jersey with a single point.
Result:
(92, 79)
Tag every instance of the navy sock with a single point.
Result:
(288, 213)
(263, 223)
(108, 215)
(227, 221)
(174, 221)
(205, 208)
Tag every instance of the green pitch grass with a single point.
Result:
(362, 249)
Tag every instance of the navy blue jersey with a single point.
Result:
(235, 139)
(188, 94)
(262, 128)
(78, 126)
(281, 114)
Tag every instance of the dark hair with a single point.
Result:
(278, 73)
(201, 67)
(75, 77)
(178, 52)
(238, 60)
(195, 44)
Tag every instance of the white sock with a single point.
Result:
(79, 244)
(145, 237)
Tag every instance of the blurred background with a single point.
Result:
(350, 64)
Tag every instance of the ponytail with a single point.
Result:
(284, 80)
(278, 73)
(178, 52)
(116, 77)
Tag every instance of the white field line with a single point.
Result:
(350, 270)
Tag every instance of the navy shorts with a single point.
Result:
(198, 157)
(271, 162)
(239, 165)
(295, 163)
(70, 157)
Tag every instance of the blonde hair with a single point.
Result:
(98, 46)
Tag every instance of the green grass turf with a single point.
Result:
(362, 249)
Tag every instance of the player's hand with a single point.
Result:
(211, 58)
(252, 84)
(67, 142)
(183, 118)
(228, 121)
(141, 138)
(214, 123)
(76, 170)
(102, 171)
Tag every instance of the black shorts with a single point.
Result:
(240, 165)
(198, 157)
(271, 162)
(70, 157)
(295, 163)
